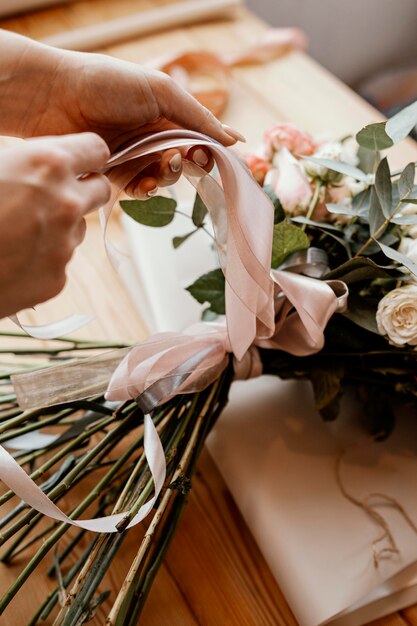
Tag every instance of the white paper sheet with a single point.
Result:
(277, 458)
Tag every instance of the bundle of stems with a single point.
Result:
(105, 441)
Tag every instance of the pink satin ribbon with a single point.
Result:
(190, 69)
(279, 310)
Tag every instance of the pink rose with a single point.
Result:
(258, 166)
(289, 136)
(290, 183)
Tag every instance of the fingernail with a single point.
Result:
(234, 133)
(175, 163)
(200, 157)
(152, 192)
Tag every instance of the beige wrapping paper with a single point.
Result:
(277, 458)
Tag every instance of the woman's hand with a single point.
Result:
(43, 203)
(117, 100)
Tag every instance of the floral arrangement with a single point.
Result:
(340, 216)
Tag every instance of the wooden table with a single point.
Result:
(214, 574)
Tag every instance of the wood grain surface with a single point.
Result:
(214, 574)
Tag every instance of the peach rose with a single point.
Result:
(290, 183)
(289, 136)
(258, 166)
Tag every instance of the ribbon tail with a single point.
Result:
(16, 479)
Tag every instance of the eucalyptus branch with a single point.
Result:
(383, 226)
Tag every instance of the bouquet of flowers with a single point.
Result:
(344, 262)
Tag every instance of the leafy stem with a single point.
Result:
(313, 202)
(383, 226)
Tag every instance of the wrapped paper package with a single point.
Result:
(279, 461)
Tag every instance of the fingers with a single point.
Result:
(167, 171)
(178, 106)
(95, 191)
(82, 152)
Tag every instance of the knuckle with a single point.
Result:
(70, 210)
(52, 162)
(99, 145)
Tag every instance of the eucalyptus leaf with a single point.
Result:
(406, 180)
(358, 269)
(383, 187)
(157, 211)
(327, 390)
(178, 241)
(362, 313)
(401, 124)
(361, 202)
(341, 167)
(376, 216)
(398, 257)
(210, 288)
(279, 214)
(199, 212)
(340, 209)
(404, 219)
(368, 160)
(287, 239)
(300, 219)
(373, 137)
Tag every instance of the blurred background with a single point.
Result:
(369, 44)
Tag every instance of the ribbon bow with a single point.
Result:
(279, 309)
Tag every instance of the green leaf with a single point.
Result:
(279, 214)
(210, 288)
(409, 201)
(361, 202)
(341, 167)
(373, 137)
(401, 124)
(199, 212)
(178, 241)
(287, 239)
(362, 313)
(398, 257)
(358, 269)
(340, 209)
(327, 390)
(376, 216)
(383, 187)
(157, 211)
(368, 160)
(406, 180)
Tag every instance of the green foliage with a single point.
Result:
(341, 167)
(210, 288)
(279, 214)
(178, 241)
(357, 270)
(157, 211)
(374, 137)
(287, 239)
(406, 180)
(398, 257)
(383, 187)
(199, 212)
(327, 389)
(401, 124)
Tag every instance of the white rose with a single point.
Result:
(354, 186)
(397, 316)
(408, 247)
